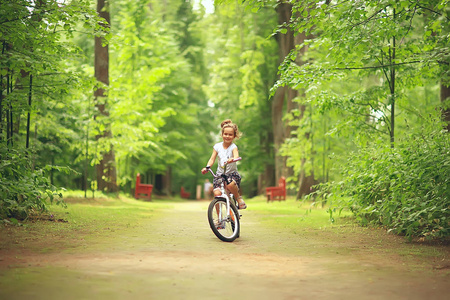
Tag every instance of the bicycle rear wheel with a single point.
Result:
(224, 227)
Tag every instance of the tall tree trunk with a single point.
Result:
(20, 84)
(167, 182)
(392, 89)
(445, 99)
(1, 109)
(305, 181)
(278, 129)
(106, 169)
(266, 178)
(283, 94)
(282, 131)
(1, 97)
(27, 142)
(9, 122)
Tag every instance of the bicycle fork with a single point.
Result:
(227, 215)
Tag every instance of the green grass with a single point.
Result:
(298, 214)
(84, 222)
(90, 222)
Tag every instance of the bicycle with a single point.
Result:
(223, 214)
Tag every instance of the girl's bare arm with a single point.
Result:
(235, 155)
(211, 161)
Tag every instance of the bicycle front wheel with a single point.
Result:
(224, 227)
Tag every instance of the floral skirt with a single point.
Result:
(230, 177)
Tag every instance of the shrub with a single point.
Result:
(22, 188)
(406, 188)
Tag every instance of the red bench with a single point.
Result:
(277, 192)
(184, 194)
(142, 190)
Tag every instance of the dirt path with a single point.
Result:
(178, 257)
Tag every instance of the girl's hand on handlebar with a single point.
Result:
(231, 160)
(205, 170)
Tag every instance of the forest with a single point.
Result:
(349, 100)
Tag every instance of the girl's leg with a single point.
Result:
(232, 187)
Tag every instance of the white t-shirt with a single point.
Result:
(223, 155)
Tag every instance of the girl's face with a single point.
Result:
(228, 135)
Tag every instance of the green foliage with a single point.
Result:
(35, 79)
(406, 188)
(156, 102)
(385, 42)
(371, 70)
(242, 64)
(156, 72)
(22, 188)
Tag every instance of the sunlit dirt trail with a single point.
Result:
(176, 256)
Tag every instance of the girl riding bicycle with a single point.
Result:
(227, 151)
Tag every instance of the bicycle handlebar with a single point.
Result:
(233, 161)
(226, 163)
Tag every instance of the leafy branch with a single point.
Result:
(381, 66)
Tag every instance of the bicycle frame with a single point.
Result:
(225, 194)
(223, 188)
(224, 224)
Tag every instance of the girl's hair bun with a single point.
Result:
(230, 124)
(227, 121)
